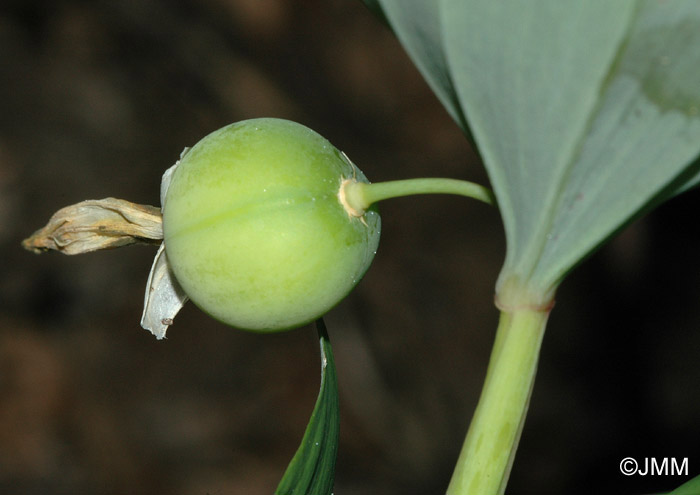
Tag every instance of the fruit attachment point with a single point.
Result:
(351, 197)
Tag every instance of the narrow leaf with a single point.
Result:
(691, 487)
(312, 470)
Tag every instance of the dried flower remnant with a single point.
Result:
(109, 223)
(97, 224)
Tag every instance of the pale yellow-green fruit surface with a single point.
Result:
(254, 230)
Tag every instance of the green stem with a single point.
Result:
(487, 455)
(358, 196)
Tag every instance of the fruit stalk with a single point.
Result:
(358, 196)
(487, 455)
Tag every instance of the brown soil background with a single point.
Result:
(98, 98)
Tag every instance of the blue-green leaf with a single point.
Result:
(418, 26)
(312, 469)
(585, 114)
(529, 76)
(643, 135)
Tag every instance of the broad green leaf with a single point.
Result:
(688, 180)
(529, 76)
(312, 469)
(584, 113)
(691, 487)
(417, 25)
(643, 135)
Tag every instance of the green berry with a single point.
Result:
(254, 228)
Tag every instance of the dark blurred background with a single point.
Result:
(98, 98)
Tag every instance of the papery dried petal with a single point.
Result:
(164, 296)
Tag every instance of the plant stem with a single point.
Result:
(487, 455)
(358, 196)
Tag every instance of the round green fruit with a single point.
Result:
(254, 228)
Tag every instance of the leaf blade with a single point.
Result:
(554, 93)
(519, 78)
(644, 136)
(691, 487)
(312, 469)
(418, 26)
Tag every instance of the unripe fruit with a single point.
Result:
(254, 229)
